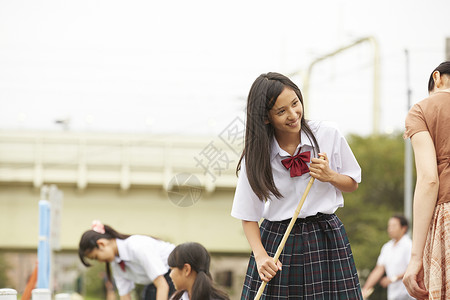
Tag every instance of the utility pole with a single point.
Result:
(447, 48)
(408, 154)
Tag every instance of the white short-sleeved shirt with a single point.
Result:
(145, 259)
(323, 197)
(395, 258)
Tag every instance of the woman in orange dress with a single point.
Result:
(428, 126)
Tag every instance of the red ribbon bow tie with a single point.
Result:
(122, 265)
(297, 163)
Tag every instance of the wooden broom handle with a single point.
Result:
(288, 231)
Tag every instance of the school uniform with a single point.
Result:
(141, 260)
(317, 262)
(185, 296)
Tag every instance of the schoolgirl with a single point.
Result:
(134, 259)
(189, 264)
(280, 155)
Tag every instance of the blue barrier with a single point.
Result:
(43, 279)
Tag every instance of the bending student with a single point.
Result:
(134, 259)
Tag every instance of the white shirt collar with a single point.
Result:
(123, 251)
(323, 197)
(276, 149)
(404, 238)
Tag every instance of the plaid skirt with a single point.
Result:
(436, 264)
(317, 262)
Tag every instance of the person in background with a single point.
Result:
(428, 126)
(189, 264)
(393, 260)
(134, 259)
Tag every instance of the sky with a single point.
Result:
(185, 67)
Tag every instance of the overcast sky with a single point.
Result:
(185, 67)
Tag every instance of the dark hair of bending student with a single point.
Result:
(189, 264)
(133, 259)
(89, 242)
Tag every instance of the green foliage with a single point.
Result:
(379, 196)
(382, 162)
(4, 266)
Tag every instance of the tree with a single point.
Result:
(379, 196)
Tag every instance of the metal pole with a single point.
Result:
(408, 154)
(376, 79)
(376, 86)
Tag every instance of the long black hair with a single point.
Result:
(198, 258)
(259, 133)
(443, 68)
(88, 242)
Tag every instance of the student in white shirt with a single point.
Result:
(134, 259)
(189, 264)
(393, 261)
(280, 155)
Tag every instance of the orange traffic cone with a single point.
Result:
(31, 284)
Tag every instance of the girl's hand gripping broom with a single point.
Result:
(286, 234)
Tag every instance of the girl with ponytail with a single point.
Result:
(189, 264)
(133, 258)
